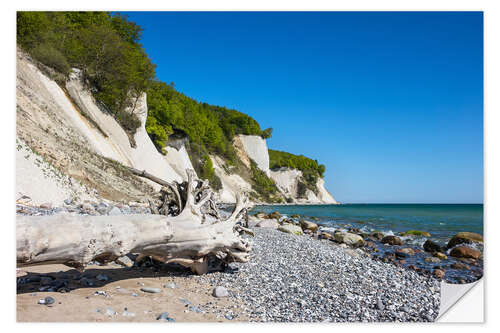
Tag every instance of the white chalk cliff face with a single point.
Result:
(256, 149)
(287, 182)
(323, 194)
(116, 145)
(73, 135)
(231, 183)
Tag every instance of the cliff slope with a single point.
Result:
(74, 136)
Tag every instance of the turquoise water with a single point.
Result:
(442, 221)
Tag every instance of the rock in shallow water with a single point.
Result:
(430, 246)
(392, 240)
(432, 260)
(459, 265)
(377, 235)
(465, 252)
(464, 238)
(440, 255)
(416, 233)
(408, 251)
(439, 273)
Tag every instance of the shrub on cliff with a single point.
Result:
(48, 55)
(312, 168)
(212, 127)
(263, 185)
(104, 46)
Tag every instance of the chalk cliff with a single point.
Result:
(62, 124)
(75, 136)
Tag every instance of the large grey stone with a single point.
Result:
(115, 211)
(125, 261)
(349, 239)
(268, 224)
(220, 291)
(291, 229)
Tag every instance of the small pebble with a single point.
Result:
(47, 300)
(162, 316)
(220, 291)
(151, 290)
(170, 285)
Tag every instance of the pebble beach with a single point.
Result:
(289, 278)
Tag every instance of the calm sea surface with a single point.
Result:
(442, 221)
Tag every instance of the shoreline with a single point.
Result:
(288, 278)
(291, 278)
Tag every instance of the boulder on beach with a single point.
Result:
(377, 235)
(275, 215)
(349, 239)
(465, 252)
(392, 240)
(325, 235)
(307, 225)
(465, 238)
(261, 215)
(290, 229)
(430, 246)
(416, 233)
(268, 223)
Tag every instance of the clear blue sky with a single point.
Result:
(391, 103)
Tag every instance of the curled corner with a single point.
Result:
(457, 306)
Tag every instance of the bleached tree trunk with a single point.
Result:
(186, 238)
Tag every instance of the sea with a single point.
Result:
(442, 221)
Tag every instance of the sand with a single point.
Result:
(80, 305)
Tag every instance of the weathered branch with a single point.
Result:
(172, 186)
(184, 238)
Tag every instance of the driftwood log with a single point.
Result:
(183, 234)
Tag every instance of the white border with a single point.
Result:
(492, 167)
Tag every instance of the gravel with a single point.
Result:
(293, 278)
(71, 208)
